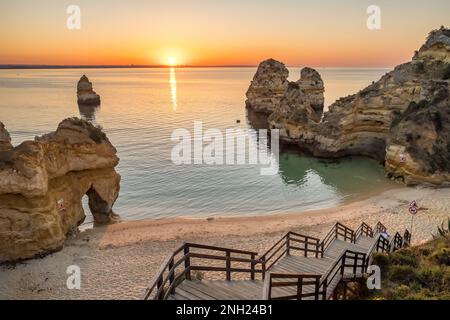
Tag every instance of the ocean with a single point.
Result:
(142, 107)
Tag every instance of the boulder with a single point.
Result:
(42, 183)
(85, 93)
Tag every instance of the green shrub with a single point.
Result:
(381, 260)
(404, 257)
(441, 256)
(402, 274)
(402, 291)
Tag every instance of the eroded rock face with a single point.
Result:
(418, 149)
(301, 104)
(312, 86)
(362, 124)
(268, 86)
(42, 183)
(5, 138)
(85, 93)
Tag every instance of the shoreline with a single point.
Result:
(117, 261)
(127, 232)
(89, 225)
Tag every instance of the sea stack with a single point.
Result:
(401, 120)
(5, 138)
(268, 87)
(85, 93)
(42, 183)
(270, 91)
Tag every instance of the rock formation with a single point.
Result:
(268, 86)
(86, 95)
(418, 148)
(42, 183)
(312, 87)
(381, 120)
(5, 139)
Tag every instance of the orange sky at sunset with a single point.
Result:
(323, 33)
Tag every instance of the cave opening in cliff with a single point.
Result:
(98, 206)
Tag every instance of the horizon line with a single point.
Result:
(136, 66)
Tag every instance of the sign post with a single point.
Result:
(413, 208)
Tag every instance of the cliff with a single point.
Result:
(42, 183)
(382, 121)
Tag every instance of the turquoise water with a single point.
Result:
(141, 108)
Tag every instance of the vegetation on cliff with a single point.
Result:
(416, 273)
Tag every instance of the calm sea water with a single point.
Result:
(141, 108)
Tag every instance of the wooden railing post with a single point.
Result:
(187, 262)
(288, 244)
(306, 247)
(325, 288)
(299, 288)
(263, 267)
(158, 286)
(316, 290)
(172, 276)
(252, 267)
(228, 265)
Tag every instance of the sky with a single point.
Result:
(319, 33)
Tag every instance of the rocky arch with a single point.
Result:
(42, 183)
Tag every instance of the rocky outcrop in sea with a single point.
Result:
(5, 138)
(268, 87)
(86, 94)
(42, 183)
(401, 120)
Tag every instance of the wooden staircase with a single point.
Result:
(295, 267)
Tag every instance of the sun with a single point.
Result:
(172, 61)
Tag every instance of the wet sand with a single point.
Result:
(118, 261)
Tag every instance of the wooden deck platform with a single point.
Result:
(296, 267)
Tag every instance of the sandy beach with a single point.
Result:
(117, 261)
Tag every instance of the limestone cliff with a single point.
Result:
(367, 123)
(42, 183)
(85, 93)
(418, 148)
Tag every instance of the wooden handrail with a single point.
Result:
(166, 279)
(301, 281)
(208, 247)
(396, 242)
(407, 238)
(338, 268)
(337, 230)
(187, 259)
(380, 228)
(372, 249)
(153, 283)
(364, 229)
(291, 241)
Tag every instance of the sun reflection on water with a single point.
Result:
(173, 88)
